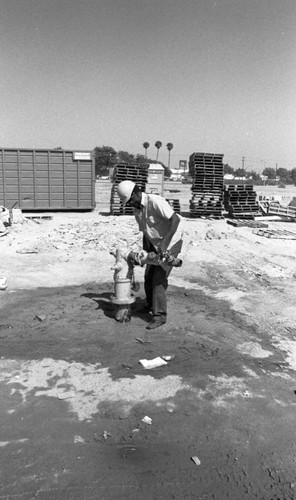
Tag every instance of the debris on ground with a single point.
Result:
(66, 395)
(27, 250)
(275, 233)
(17, 216)
(39, 217)
(41, 317)
(196, 460)
(147, 420)
(4, 215)
(3, 283)
(142, 341)
(78, 439)
(128, 367)
(213, 235)
(148, 364)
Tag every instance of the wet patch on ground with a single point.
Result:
(73, 399)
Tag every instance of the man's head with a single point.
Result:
(129, 193)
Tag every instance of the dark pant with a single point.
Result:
(155, 284)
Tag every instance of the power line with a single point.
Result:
(239, 157)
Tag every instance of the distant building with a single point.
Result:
(178, 173)
(231, 177)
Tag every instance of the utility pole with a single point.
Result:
(243, 162)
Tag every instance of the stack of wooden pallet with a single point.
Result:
(240, 201)
(206, 170)
(137, 173)
(175, 204)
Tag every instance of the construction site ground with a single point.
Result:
(73, 394)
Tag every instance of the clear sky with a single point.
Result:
(214, 76)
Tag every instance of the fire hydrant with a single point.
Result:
(123, 282)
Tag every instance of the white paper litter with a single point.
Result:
(196, 460)
(152, 363)
(147, 420)
(66, 395)
(78, 439)
(3, 283)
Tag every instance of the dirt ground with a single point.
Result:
(73, 394)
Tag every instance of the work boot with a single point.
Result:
(156, 322)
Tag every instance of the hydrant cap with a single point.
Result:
(124, 190)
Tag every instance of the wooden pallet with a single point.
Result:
(175, 204)
(207, 171)
(275, 233)
(136, 173)
(280, 210)
(246, 223)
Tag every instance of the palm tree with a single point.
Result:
(158, 145)
(146, 146)
(169, 146)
